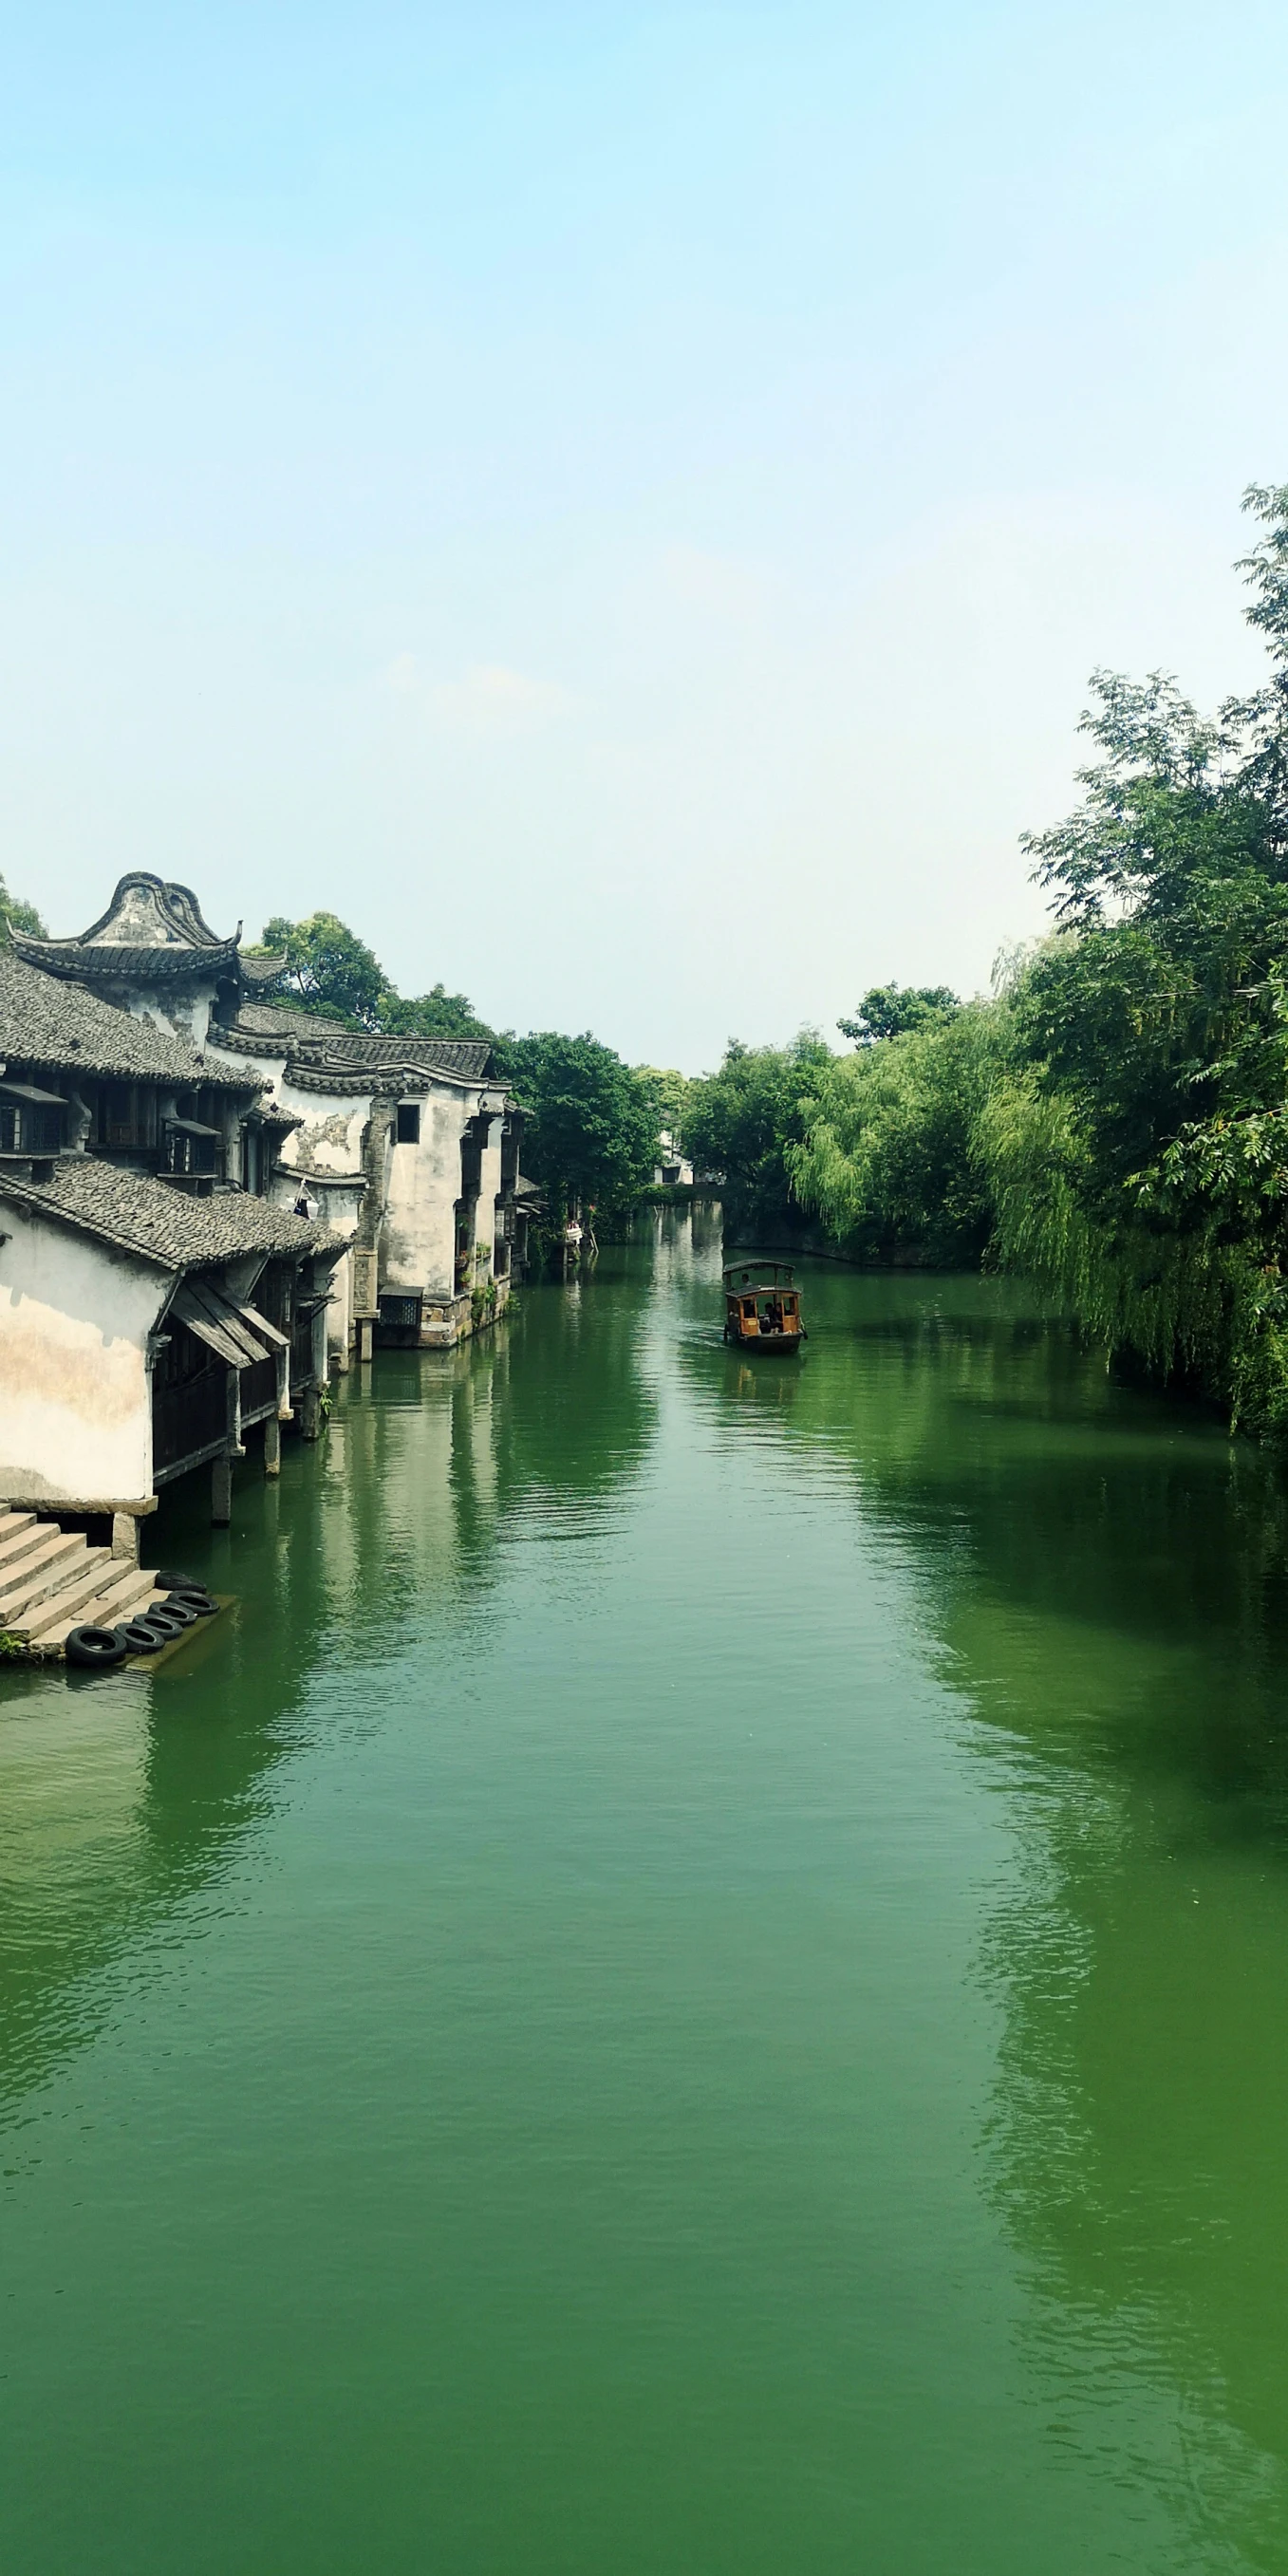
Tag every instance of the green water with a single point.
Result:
(695, 1982)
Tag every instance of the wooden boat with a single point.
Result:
(762, 1308)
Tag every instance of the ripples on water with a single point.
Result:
(692, 1981)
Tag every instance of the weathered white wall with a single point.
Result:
(419, 1246)
(330, 1139)
(75, 1393)
(339, 1313)
(183, 1009)
(408, 1210)
(489, 1186)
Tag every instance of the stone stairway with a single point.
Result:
(52, 1580)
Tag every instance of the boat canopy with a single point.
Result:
(759, 1274)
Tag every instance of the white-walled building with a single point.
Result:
(411, 1142)
(149, 1310)
(406, 1143)
(673, 1167)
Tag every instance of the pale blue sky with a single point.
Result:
(618, 502)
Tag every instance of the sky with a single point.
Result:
(620, 503)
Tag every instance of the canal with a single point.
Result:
(695, 1983)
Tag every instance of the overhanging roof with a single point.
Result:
(58, 1025)
(235, 1332)
(159, 1222)
(29, 1091)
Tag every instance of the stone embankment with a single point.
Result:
(52, 1580)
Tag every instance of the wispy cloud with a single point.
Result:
(724, 585)
(489, 698)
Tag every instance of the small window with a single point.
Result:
(401, 1314)
(408, 1122)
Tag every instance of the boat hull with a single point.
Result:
(779, 1345)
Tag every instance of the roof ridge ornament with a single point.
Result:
(152, 931)
(148, 911)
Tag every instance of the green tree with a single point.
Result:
(23, 916)
(740, 1121)
(887, 1010)
(670, 1091)
(889, 1156)
(1116, 1122)
(436, 1014)
(328, 968)
(591, 1130)
(1142, 1162)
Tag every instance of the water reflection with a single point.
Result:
(124, 1797)
(1103, 1581)
(1097, 1580)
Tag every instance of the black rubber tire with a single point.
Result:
(166, 1580)
(162, 1625)
(192, 1596)
(139, 1638)
(95, 1650)
(175, 1607)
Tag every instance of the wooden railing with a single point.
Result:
(259, 1388)
(189, 1421)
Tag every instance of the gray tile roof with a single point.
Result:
(113, 963)
(322, 1057)
(466, 1059)
(259, 970)
(278, 1020)
(152, 932)
(140, 1214)
(46, 1021)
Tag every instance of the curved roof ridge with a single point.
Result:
(141, 899)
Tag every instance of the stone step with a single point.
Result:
(83, 1583)
(17, 1543)
(121, 1598)
(54, 1562)
(11, 1522)
(50, 1585)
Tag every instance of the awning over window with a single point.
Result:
(193, 1127)
(236, 1333)
(270, 1333)
(27, 1091)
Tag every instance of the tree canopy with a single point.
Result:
(23, 916)
(670, 1091)
(328, 968)
(435, 1014)
(888, 1009)
(741, 1121)
(591, 1122)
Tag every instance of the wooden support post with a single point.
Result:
(272, 1446)
(221, 1492)
(309, 1413)
(365, 1338)
(125, 1537)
